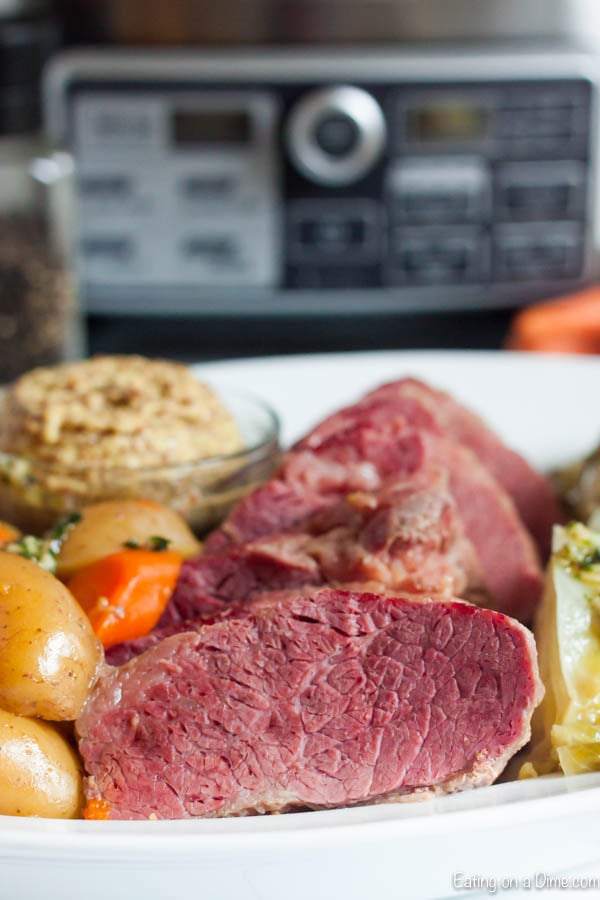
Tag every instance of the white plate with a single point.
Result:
(545, 407)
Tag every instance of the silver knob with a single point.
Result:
(335, 135)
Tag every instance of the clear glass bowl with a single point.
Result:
(33, 496)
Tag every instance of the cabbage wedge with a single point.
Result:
(566, 727)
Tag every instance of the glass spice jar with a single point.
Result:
(40, 323)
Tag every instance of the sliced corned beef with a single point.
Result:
(347, 460)
(359, 459)
(508, 558)
(408, 537)
(434, 410)
(119, 654)
(313, 701)
(269, 509)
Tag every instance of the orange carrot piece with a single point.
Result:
(98, 810)
(125, 593)
(569, 324)
(8, 533)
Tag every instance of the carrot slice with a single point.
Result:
(569, 324)
(97, 810)
(8, 533)
(125, 593)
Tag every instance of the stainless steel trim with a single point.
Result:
(306, 154)
(165, 301)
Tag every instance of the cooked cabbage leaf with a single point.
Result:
(566, 727)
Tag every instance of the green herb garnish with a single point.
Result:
(44, 550)
(155, 544)
(132, 545)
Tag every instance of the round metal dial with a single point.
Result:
(335, 135)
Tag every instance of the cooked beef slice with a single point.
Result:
(315, 701)
(271, 508)
(507, 555)
(436, 411)
(119, 654)
(360, 459)
(366, 458)
(405, 538)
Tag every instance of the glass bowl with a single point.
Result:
(34, 496)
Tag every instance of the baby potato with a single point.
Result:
(49, 654)
(40, 774)
(105, 528)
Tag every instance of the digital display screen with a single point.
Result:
(448, 121)
(192, 128)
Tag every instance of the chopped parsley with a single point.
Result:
(579, 554)
(590, 559)
(155, 544)
(44, 550)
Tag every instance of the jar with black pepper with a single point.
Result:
(39, 315)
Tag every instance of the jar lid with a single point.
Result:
(25, 45)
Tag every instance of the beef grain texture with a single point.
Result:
(437, 412)
(373, 456)
(407, 538)
(321, 700)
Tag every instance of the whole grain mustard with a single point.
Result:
(115, 411)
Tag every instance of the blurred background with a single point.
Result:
(207, 179)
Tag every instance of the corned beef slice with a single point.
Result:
(273, 507)
(359, 459)
(433, 410)
(362, 458)
(313, 701)
(119, 654)
(509, 562)
(407, 538)
(506, 553)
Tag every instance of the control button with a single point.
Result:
(428, 256)
(341, 232)
(538, 252)
(424, 191)
(432, 206)
(113, 249)
(532, 200)
(543, 148)
(333, 236)
(207, 187)
(105, 187)
(532, 129)
(562, 94)
(219, 249)
(541, 190)
(336, 135)
(545, 122)
(123, 124)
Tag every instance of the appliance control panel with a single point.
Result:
(291, 183)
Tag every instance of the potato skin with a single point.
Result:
(40, 774)
(105, 527)
(49, 655)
